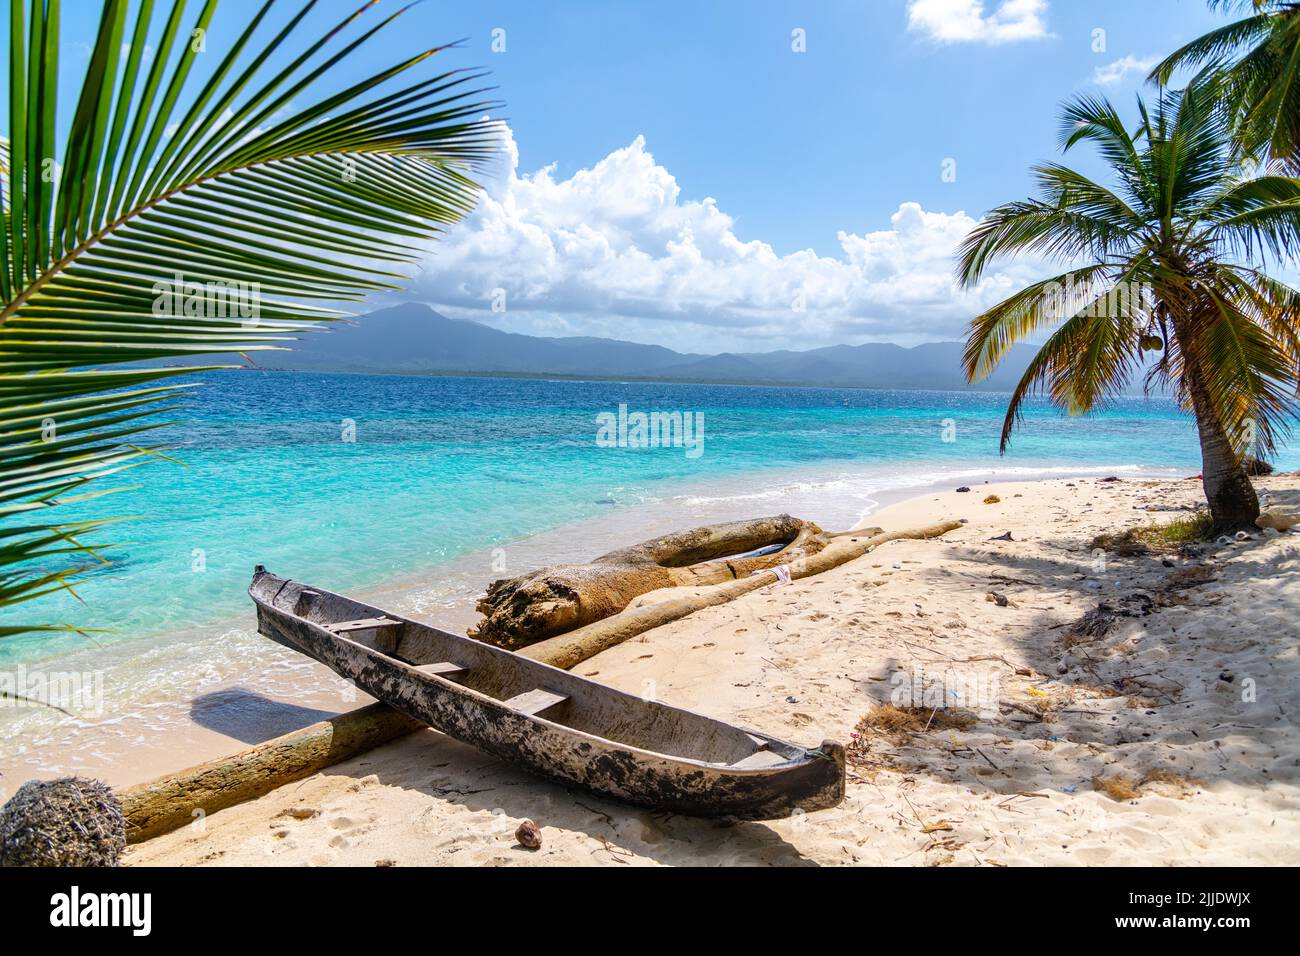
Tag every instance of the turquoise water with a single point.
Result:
(441, 467)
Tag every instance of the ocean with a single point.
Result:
(419, 490)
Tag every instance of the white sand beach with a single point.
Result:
(1169, 740)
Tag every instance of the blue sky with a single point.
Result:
(699, 173)
(798, 147)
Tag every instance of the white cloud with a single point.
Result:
(1112, 74)
(615, 250)
(966, 21)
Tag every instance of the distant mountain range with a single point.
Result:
(413, 338)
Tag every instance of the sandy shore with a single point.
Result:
(1168, 740)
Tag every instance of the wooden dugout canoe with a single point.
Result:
(547, 720)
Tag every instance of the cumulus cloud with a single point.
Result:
(1112, 74)
(616, 250)
(966, 21)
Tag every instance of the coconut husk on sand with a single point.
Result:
(72, 821)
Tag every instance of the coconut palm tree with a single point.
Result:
(1159, 264)
(201, 198)
(1259, 56)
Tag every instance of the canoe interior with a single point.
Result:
(547, 692)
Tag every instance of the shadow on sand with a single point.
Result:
(1185, 711)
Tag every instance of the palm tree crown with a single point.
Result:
(1157, 260)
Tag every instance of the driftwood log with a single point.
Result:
(568, 650)
(171, 802)
(557, 599)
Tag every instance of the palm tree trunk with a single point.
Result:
(1231, 496)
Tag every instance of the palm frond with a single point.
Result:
(1039, 305)
(1271, 304)
(1213, 47)
(1065, 188)
(202, 204)
(1035, 227)
(1256, 64)
(1088, 358)
(1272, 227)
(1248, 377)
(1094, 119)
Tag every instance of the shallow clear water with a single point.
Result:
(442, 467)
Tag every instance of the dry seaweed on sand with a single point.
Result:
(1121, 786)
(1188, 577)
(899, 724)
(1099, 622)
(1170, 784)
(1092, 625)
(1118, 786)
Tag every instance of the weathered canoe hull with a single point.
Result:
(808, 779)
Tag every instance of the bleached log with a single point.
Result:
(568, 650)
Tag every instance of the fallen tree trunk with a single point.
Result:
(532, 607)
(567, 650)
(171, 802)
(160, 806)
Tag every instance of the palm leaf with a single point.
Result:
(205, 204)
(1213, 47)
(1019, 316)
(1088, 358)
